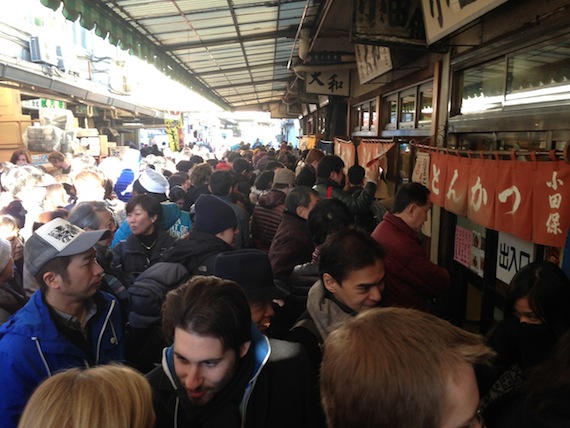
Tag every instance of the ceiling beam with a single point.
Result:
(229, 40)
(235, 85)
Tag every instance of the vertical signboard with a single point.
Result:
(512, 254)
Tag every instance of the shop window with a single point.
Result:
(364, 118)
(425, 104)
(407, 109)
(391, 104)
(540, 74)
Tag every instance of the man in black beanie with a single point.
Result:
(214, 231)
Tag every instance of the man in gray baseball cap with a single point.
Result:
(68, 322)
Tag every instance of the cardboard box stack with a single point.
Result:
(13, 124)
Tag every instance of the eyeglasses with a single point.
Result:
(476, 422)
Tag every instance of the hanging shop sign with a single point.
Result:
(528, 199)
(175, 133)
(469, 249)
(421, 169)
(512, 254)
(442, 17)
(372, 61)
(397, 23)
(328, 82)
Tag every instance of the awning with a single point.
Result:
(93, 15)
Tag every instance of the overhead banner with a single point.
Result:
(481, 191)
(443, 17)
(397, 23)
(527, 199)
(328, 82)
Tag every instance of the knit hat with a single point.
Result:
(153, 181)
(284, 176)
(251, 269)
(58, 238)
(5, 253)
(213, 215)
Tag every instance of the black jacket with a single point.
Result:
(284, 392)
(197, 252)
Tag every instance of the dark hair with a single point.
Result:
(548, 290)
(16, 154)
(273, 165)
(221, 183)
(355, 175)
(299, 196)
(176, 193)
(410, 193)
(232, 156)
(329, 164)
(196, 159)
(184, 165)
(327, 216)
(208, 306)
(148, 204)
(264, 181)
(347, 250)
(241, 165)
(200, 174)
(58, 266)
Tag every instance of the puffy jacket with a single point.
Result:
(411, 278)
(32, 348)
(267, 215)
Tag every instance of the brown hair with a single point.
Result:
(110, 396)
(389, 367)
(314, 155)
(16, 154)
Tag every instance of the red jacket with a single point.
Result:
(411, 278)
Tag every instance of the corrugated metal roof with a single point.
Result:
(239, 49)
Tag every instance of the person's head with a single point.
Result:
(176, 195)
(6, 261)
(208, 321)
(242, 166)
(98, 397)
(412, 204)
(184, 165)
(151, 183)
(200, 174)
(181, 179)
(94, 215)
(58, 160)
(25, 181)
(89, 185)
(283, 178)
(221, 183)
(539, 294)
(396, 367)
(215, 217)
(20, 157)
(327, 216)
(301, 200)
(144, 214)
(256, 282)
(356, 175)
(60, 256)
(55, 197)
(351, 266)
(313, 157)
(264, 180)
(331, 167)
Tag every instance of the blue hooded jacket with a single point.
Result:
(33, 349)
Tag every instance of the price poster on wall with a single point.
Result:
(469, 249)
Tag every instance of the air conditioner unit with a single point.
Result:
(43, 51)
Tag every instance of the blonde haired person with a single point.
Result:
(401, 368)
(110, 396)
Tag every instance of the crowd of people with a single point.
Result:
(264, 289)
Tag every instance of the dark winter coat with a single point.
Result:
(411, 278)
(267, 215)
(291, 246)
(130, 256)
(197, 253)
(357, 204)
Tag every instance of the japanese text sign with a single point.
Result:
(328, 82)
